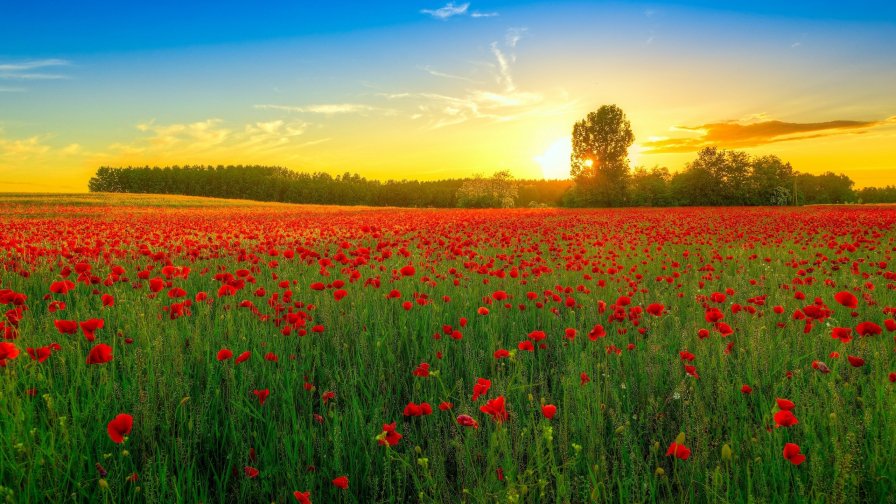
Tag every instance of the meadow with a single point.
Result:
(177, 349)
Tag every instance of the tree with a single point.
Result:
(649, 187)
(499, 191)
(599, 159)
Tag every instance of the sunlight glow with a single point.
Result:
(555, 159)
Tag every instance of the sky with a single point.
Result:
(430, 90)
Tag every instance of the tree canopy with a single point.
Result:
(599, 159)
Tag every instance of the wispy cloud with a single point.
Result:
(23, 148)
(325, 108)
(448, 11)
(452, 9)
(32, 70)
(741, 134)
(436, 73)
(514, 35)
(501, 102)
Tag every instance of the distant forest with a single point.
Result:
(273, 183)
(697, 185)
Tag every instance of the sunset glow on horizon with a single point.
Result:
(430, 90)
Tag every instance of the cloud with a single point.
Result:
(448, 11)
(25, 70)
(741, 134)
(451, 10)
(436, 73)
(326, 108)
(23, 147)
(514, 35)
(210, 139)
(504, 77)
(502, 102)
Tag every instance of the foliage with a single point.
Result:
(270, 183)
(599, 159)
(498, 191)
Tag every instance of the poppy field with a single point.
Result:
(242, 352)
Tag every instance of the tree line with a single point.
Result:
(716, 177)
(600, 167)
(274, 183)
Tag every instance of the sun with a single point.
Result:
(555, 159)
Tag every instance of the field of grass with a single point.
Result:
(262, 350)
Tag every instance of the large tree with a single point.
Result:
(599, 160)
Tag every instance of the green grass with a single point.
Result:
(195, 419)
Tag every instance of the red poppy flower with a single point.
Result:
(422, 370)
(481, 387)
(847, 299)
(868, 329)
(62, 286)
(785, 404)
(100, 354)
(414, 410)
(495, 408)
(39, 354)
(389, 436)
(7, 351)
(408, 270)
(119, 427)
(341, 482)
(792, 454)
(66, 326)
(251, 472)
(224, 354)
(785, 418)
(262, 395)
(88, 327)
(445, 405)
(467, 421)
(302, 497)
(656, 309)
(680, 451)
(243, 357)
(549, 410)
(746, 389)
(501, 353)
(855, 361)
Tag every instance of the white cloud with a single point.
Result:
(23, 147)
(448, 11)
(24, 70)
(477, 14)
(436, 73)
(325, 108)
(504, 78)
(514, 35)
